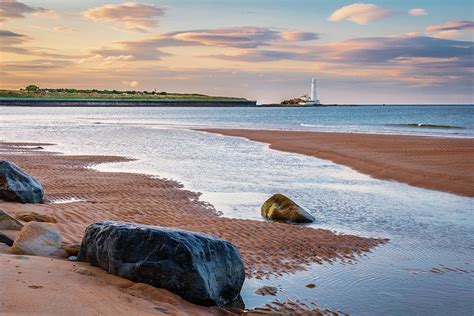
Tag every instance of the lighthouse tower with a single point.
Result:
(314, 92)
(313, 95)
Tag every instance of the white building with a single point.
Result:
(313, 93)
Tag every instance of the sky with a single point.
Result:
(392, 52)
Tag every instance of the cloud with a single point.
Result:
(414, 60)
(131, 16)
(35, 65)
(63, 29)
(106, 60)
(235, 37)
(11, 9)
(131, 84)
(361, 13)
(138, 50)
(11, 38)
(244, 37)
(238, 37)
(452, 25)
(15, 43)
(417, 11)
(451, 29)
(296, 36)
(264, 56)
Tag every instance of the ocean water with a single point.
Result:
(427, 229)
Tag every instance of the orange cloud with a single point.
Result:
(131, 16)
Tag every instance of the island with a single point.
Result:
(33, 95)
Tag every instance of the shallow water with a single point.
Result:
(426, 228)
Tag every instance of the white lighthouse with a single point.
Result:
(313, 94)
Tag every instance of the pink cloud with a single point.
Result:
(361, 13)
(452, 25)
(417, 12)
(131, 16)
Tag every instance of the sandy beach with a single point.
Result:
(78, 195)
(443, 164)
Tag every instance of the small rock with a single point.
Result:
(9, 223)
(72, 249)
(267, 290)
(18, 186)
(72, 258)
(37, 239)
(35, 217)
(281, 208)
(161, 309)
(311, 286)
(83, 272)
(35, 286)
(4, 239)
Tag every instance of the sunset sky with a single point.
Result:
(268, 50)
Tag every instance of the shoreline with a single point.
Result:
(268, 249)
(430, 162)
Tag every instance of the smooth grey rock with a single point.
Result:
(4, 239)
(18, 186)
(9, 223)
(281, 208)
(202, 269)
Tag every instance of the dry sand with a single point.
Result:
(267, 248)
(444, 164)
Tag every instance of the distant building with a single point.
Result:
(313, 98)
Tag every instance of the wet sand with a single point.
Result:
(443, 164)
(267, 248)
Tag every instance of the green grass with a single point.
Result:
(110, 95)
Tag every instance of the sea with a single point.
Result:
(427, 268)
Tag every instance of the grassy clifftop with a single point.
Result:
(36, 92)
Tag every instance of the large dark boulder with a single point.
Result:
(18, 186)
(202, 269)
(281, 208)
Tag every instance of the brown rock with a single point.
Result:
(267, 290)
(35, 217)
(72, 249)
(37, 239)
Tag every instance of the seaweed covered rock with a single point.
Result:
(281, 208)
(37, 239)
(202, 269)
(18, 186)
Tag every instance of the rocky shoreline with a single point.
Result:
(266, 248)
